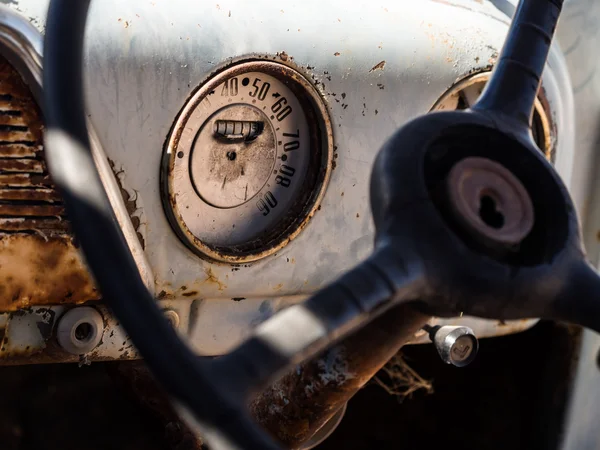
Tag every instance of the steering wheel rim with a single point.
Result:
(70, 162)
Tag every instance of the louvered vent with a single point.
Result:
(28, 201)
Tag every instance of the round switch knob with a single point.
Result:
(456, 345)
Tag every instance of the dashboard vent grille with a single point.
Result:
(28, 201)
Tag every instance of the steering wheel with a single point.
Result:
(470, 218)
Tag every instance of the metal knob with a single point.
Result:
(456, 345)
(80, 330)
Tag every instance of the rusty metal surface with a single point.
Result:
(39, 263)
(294, 408)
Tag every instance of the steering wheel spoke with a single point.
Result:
(304, 330)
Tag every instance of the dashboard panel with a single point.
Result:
(168, 128)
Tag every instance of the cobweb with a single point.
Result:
(397, 378)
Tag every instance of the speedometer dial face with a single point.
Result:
(247, 162)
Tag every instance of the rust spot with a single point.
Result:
(190, 294)
(337, 54)
(42, 195)
(130, 203)
(357, 215)
(283, 56)
(21, 165)
(165, 294)
(238, 299)
(379, 66)
(38, 271)
(26, 180)
(211, 278)
(17, 210)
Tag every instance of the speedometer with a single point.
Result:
(247, 162)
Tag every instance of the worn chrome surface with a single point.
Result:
(247, 162)
(145, 60)
(455, 345)
(22, 46)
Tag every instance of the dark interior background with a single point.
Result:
(512, 397)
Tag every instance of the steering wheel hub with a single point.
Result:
(490, 201)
